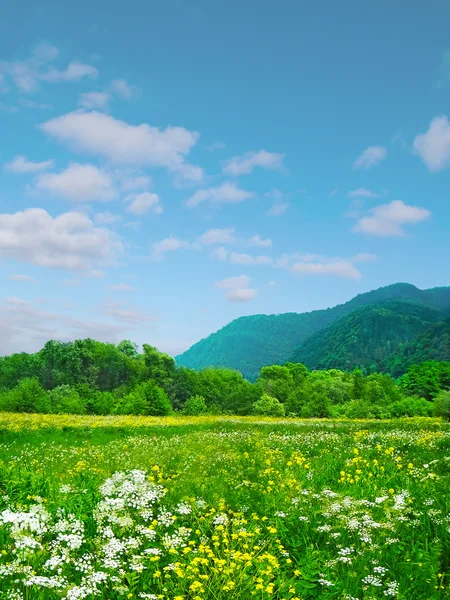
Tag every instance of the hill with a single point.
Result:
(434, 344)
(366, 336)
(249, 343)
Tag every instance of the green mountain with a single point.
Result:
(434, 344)
(249, 343)
(366, 336)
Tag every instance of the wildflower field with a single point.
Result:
(218, 508)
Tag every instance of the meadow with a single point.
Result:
(213, 508)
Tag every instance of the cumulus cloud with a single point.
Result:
(237, 288)
(98, 100)
(217, 236)
(257, 241)
(169, 244)
(220, 253)
(227, 193)
(20, 164)
(121, 287)
(243, 165)
(69, 241)
(121, 88)
(340, 268)
(388, 219)
(364, 257)
(372, 156)
(106, 218)
(125, 313)
(363, 193)
(433, 147)
(122, 143)
(75, 71)
(143, 203)
(136, 182)
(279, 205)
(78, 183)
(22, 278)
(246, 259)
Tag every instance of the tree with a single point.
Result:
(147, 398)
(442, 405)
(277, 381)
(30, 397)
(66, 400)
(269, 406)
(160, 367)
(128, 348)
(195, 405)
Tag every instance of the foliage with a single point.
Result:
(269, 406)
(426, 380)
(442, 405)
(147, 398)
(195, 405)
(64, 399)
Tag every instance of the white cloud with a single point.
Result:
(21, 165)
(238, 289)
(241, 295)
(220, 253)
(78, 183)
(120, 142)
(279, 206)
(227, 193)
(106, 218)
(33, 104)
(333, 192)
(246, 259)
(121, 88)
(388, 219)
(217, 236)
(137, 182)
(363, 193)
(96, 274)
(364, 257)
(127, 314)
(215, 146)
(99, 100)
(69, 241)
(71, 282)
(371, 157)
(75, 71)
(45, 52)
(24, 278)
(169, 244)
(257, 241)
(340, 268)
(433, 147)
(271, 283)
(243, 165)
(141, 204)
(121, 287)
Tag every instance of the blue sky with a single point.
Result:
(169, 166)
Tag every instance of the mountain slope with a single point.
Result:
(365, 337)
(249, 343)
(434, 344)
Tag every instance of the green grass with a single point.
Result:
(223, 508)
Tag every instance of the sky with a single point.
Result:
(167, 167)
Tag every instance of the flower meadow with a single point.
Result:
(215, 508)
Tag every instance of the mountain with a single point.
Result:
(249, 343)
(434, 344)
(366, 336)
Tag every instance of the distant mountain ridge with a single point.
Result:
(249, 343)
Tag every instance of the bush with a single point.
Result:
(28, 396)
(195, 405)
(147, 398)
(358, 409)
(442, 405)
(66, 400)
(268, 406)
(411, 407)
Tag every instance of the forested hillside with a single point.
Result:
(365, 337)
(249, 343)
(434, 344)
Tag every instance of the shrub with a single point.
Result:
(195, 405)
(442, 405)
(411, 407)
(147, 398)
(269, 406)
(28, 396)
(66, 400)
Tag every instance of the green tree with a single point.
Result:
(269, 406)
(30, 397)
(442, 405)
(147, 398)
(66, 400)
(195, 405)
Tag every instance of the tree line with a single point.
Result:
(91, 377)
